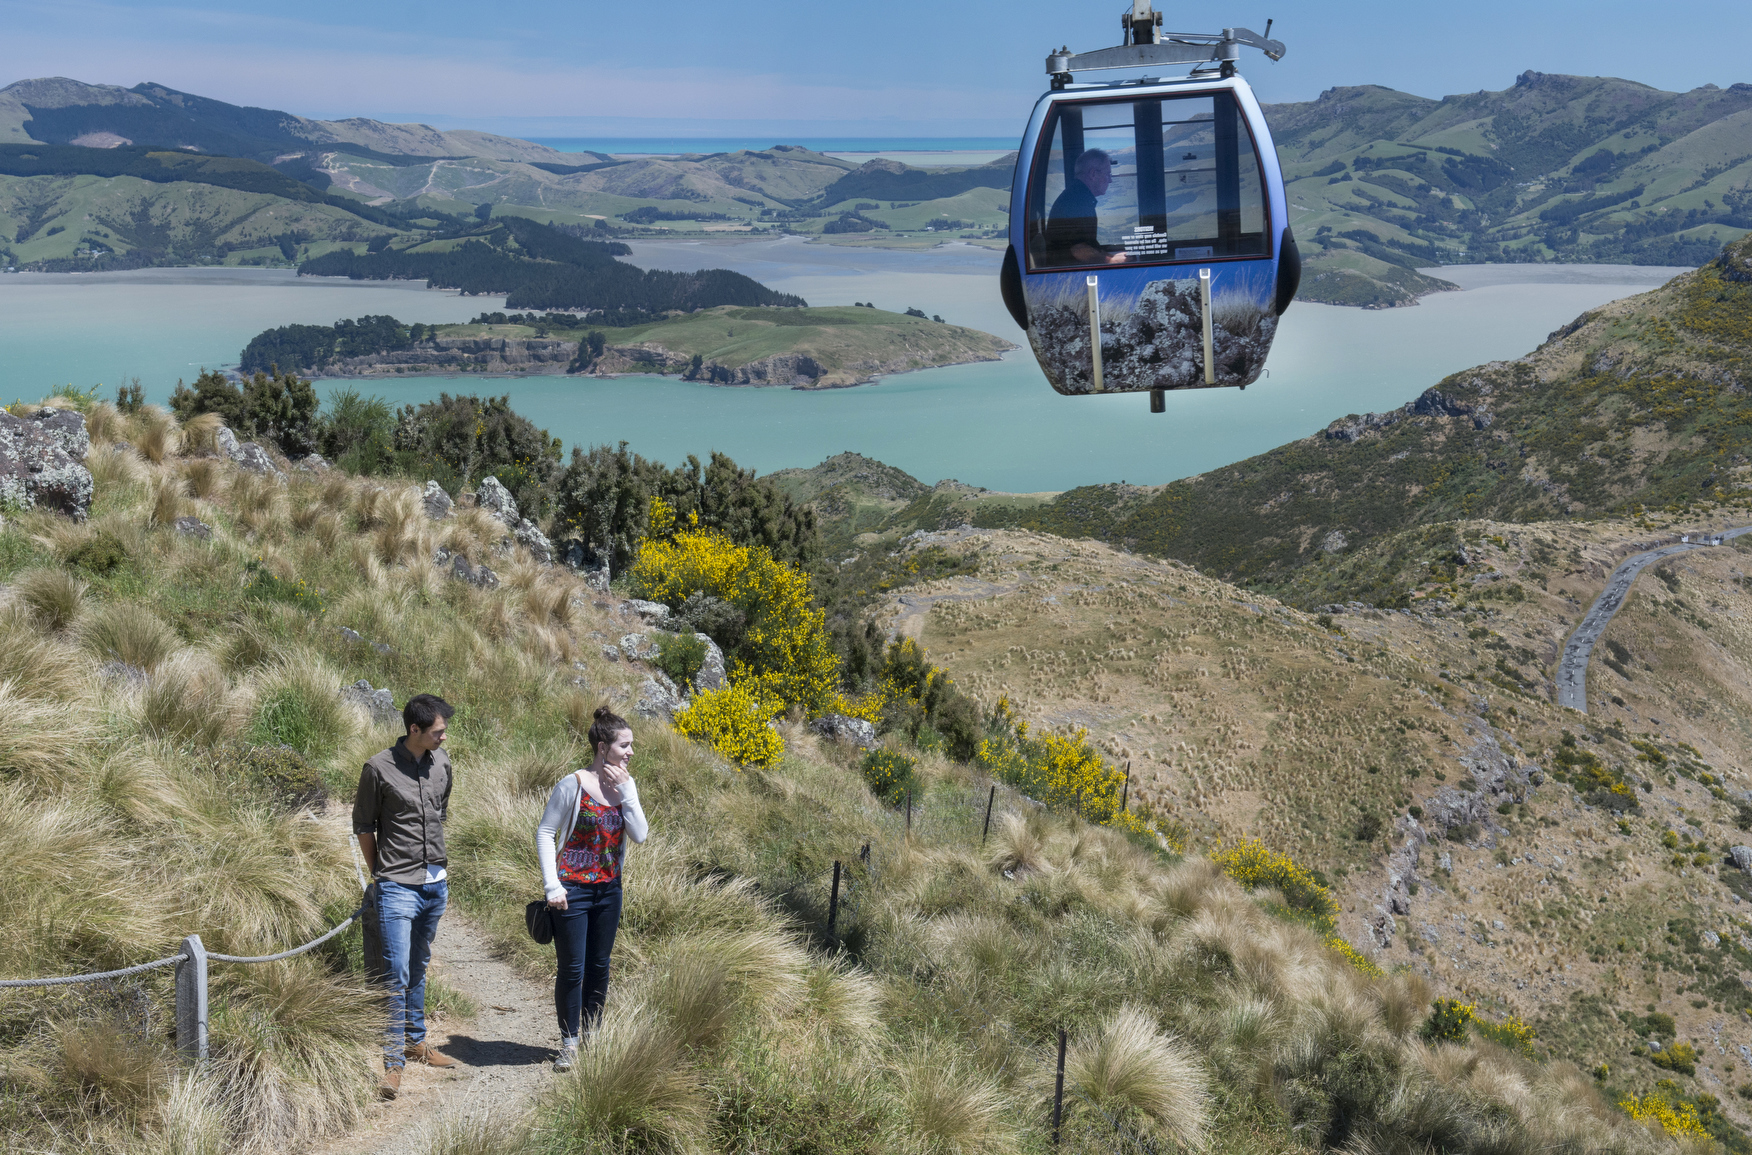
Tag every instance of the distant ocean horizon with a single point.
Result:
(672, 146)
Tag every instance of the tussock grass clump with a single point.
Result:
(53, 596)
(189, 700)
(297, 705)
(130, 633)
(633, 1087)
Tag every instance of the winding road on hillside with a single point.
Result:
(1572, 671)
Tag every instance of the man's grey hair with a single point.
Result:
(1086, 163)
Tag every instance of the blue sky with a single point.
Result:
(905, 67)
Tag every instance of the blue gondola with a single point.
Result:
(1150, 246)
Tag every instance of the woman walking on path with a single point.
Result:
(582, 844)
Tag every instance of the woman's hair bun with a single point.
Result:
(605, 727)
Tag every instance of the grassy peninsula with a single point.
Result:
(725, 345)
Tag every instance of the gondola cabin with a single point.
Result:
(1150, 246)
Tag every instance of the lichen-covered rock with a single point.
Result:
(597, 579)
(380, 704)
(476, 575)
(843, 728)
(638, 646)
(193, 527)
(1742, 856)
(711, 673)
(435, 501)
(658, 697)
(534, 540)
(312, 463)
(492, 496)
(36, 467)
(66, 427)
(612, 653)
(652, 613)
(247, 455)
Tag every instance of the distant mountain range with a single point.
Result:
(1381, 183)
(61, 111)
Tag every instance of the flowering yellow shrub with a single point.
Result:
(865, 706)
(733, 721)
(1253, 864)
(1512, 1032)
(786, 647)
(1678, 1120)
(1337, 944)
(660, 518)
(1059, 770)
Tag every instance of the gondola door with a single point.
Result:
(1147, 235)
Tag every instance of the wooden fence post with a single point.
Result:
(833, 903)
(191, 1001)
(1058, 1091)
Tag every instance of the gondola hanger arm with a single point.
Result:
(1149, 45)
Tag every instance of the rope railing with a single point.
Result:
(94, 978)
(191, 976)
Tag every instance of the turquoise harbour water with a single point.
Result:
(996, 424)
(675, 146)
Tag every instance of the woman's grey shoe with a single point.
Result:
(568, 1056)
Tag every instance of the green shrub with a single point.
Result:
(680, 656)
(889, 775)
(1448, 1021)
(100, 554)
(280, 772)
(266, 587)
(1678, 1057)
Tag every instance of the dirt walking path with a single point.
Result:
(504, 1054)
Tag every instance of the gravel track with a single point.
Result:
(1572, 670)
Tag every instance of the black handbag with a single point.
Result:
(539, 917)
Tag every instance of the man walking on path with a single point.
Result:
(398, 815)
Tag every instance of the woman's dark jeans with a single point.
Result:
(584, 938)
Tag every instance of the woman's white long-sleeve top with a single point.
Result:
(560, 816)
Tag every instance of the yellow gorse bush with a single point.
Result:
(1678, 1120)
(1253, 864)
(1059, 770)
(733, 721)
(786, 648)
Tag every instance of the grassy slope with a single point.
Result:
(1641, 402)
(736, 1025)
(1240, 718)
(123, 214)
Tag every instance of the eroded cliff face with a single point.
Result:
(511, 357)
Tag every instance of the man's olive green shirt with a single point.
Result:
(404, 801)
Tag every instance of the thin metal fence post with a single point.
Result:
(833, 903)
(990, 798)
(1058, 1091)
(191, 1001)
(1125, 796)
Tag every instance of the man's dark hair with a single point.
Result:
(424, 709)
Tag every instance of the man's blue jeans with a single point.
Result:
(408, 918)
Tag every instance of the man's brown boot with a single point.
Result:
(423, 1053)
(389, 1086)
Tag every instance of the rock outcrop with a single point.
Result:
(435, 501)
(42, 462)
(380, 704)
(247, 455)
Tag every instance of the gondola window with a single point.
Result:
(1145, 182)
